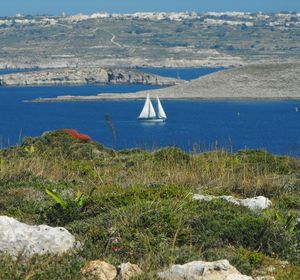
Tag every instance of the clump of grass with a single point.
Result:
(264, 162)
(171, 155)
(64, 210)
(38, 268)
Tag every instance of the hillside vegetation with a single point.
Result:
(209, 39)
(137, 206)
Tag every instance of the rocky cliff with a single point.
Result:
(268, 81)
(84, 76)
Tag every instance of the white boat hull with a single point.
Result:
(152, 120)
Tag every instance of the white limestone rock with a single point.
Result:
(219, 270)
(258, 203)
(18, 239)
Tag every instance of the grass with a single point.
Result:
(138, 206)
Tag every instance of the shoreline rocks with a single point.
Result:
(77, 76)
(272, 81)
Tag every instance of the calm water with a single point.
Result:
(181, 73)
(274, 126)
(9, 71)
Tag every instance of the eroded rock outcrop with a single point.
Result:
(84, 76)
(219, 270)
(17, 239)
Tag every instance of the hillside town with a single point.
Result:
(284, 19)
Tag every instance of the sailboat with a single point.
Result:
(148, 113)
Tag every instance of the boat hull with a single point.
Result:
(152, 120)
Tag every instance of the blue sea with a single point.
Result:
(191, 125)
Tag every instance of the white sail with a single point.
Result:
(161, 113)
(148, 110)
(152, 113)
(145, 112)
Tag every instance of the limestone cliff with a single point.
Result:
(84, 76)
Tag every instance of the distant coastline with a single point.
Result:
(81, 76)
(130, 97)
(277, 81)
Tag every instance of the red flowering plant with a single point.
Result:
(82, 137)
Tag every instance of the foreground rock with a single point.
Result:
(99, 270)
(128, 270)
(219, 270)
(102, 270)
(84, 76)
(21, 239)
(258, 203)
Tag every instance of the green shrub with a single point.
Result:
(64, 211)
(56, 215)
(171, 154)
(219, 222)
(263, 161)
(40, 268)
(247, 261)
(289, 202)
(57, 144)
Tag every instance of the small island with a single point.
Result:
(255, 81)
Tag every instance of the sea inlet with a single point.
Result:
(191, 125)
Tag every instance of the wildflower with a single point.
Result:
(83, 137)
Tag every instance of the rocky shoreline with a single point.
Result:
(253, 82)
(77, 76)
(210, 59)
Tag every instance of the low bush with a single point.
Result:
(171, 155)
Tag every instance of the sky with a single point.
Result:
(55, 7)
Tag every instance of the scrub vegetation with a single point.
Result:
(136, 205)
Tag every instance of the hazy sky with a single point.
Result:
(11, 7)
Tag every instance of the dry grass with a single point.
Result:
(212, 172)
